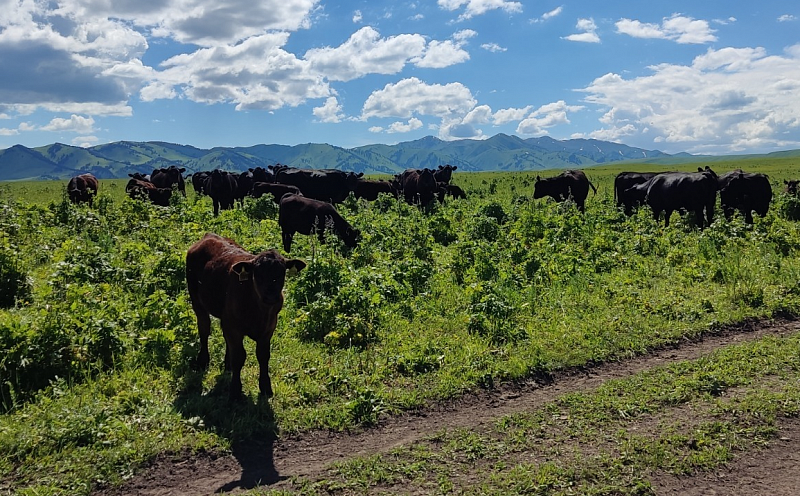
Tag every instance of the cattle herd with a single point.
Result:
(226, 281)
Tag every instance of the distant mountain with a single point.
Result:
(498, 153)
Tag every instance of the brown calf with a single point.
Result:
(245, 292)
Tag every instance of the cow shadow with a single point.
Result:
(249, 425)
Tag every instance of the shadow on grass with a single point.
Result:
(249, 425)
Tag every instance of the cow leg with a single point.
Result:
(236, 356)
(262, 353)
(748, 217)
(287, 240)
(667, 215)
(698, 217)
(216, 207)
(204, 331)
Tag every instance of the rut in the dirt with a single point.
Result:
(273, 462)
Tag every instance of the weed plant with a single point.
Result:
(432, 303)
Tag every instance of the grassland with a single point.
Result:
(95, 354)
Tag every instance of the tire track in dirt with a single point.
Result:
(272, 463)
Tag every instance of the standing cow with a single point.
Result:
(169, 176)
(691, 191)
(221, 187)
(417, 185)
(305, 215)
(245, 292)
(82, 189)
(626, 197)
(570, 183)
(745, 192)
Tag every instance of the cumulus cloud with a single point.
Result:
(678, 28)
(725, 101)
(549, 15)
(787, 18)
(493, 47)
(412, 96)
(330, 111)
(589, 34)
(546, 116)
(75, 124)
(404, 127)
(474, 8)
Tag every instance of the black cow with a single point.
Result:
(444, 173)
(200, 182)
(449, 190)
(306, 215)
(169, 176)
(417, 185)
(791, 186)
(262, 175)
(570, 183)
(277, 190)
(690, 191)
(245, 292)
(140, 176)
(369, 189)
(138, 189)
(244, 183)
(329, 185)
(82, 189)
(626, 180)
(222, 187)
(745, 192)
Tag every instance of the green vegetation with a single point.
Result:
(95, 353)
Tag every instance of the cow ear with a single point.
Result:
(785, 181)
(294, 265)
(538, 178)
(243, 269)
(454, 167)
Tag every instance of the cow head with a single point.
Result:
(160, 196)
(266, 273)
(444, 173)
(351, 236)
(791, 186)
(540, 189)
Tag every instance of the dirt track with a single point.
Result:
(307, 455)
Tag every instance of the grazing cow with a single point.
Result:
(444, 173)
(245, 292)
(329, 185)
(452, 190)
(221, 186)
(791, 186)
(690, 191)
(745, 192)
(305, 215)
(200, 182)
(369, 189)
(626, 180)
(277, 190)
(140, 176)
(82, 189)
(570, 183)
(169, 176)
(418, 185)
(138, 189)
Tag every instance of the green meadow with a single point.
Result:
(97, 334)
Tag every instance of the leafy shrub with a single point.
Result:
(492, 315)
(261, 208)
(14, 284)
(483, 227)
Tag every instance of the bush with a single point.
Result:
(14, 284)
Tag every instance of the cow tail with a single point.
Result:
(595, 189)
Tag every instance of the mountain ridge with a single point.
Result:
(499, 153)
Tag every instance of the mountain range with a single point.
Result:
(498, 153)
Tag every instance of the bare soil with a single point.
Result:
(272, 463)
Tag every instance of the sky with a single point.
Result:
(696, 76)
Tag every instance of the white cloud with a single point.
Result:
(504, 116)
(549, 15)
(365, 52)
(75, 124)
(474, 8)
(589, 34)
(85, 141)
(493, 47)
(441, 54)
(255, 74)
(330, 111)
(404, 127)
(678, 28)
(546, 116)
(726, 101)
(412, 96)
(4, 131)
(787, 18)
(357, 17)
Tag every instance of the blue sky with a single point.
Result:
(702, 77)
